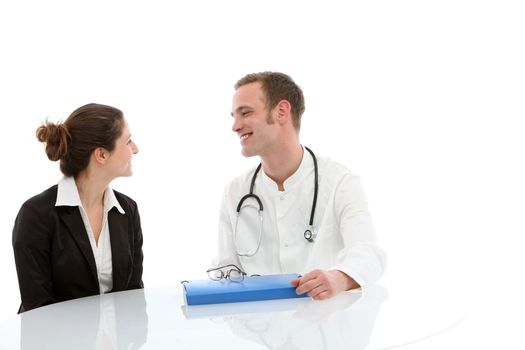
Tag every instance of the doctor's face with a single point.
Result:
(252, 121)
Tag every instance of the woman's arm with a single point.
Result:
(32, 250)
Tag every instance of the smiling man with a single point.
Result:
(296, 212)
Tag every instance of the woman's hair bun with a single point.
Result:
(56, 137)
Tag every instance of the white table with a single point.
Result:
(157, 318)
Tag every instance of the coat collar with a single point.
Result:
(72, 219)
(121, 251)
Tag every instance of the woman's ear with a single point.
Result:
(100, 155)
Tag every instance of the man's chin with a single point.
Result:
(247, 153)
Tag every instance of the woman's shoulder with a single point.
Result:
(42, 200)
(35, 216)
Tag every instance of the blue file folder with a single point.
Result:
(252, 288)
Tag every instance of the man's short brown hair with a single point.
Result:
(277, 87)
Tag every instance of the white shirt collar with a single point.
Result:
(304, 169)
(67, 195)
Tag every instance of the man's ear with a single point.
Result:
(100, 155)
(284, 111)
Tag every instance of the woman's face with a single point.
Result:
(119, 162)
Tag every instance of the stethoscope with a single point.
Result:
(309, 233)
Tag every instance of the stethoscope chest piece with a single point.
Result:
(309, 235)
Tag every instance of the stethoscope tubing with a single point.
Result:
(309, 235)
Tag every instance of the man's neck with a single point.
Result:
(279, 166)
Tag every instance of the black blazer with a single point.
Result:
(53, 256)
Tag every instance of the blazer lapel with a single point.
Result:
(71, 218)
(120, 248)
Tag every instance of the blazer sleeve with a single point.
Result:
(138, 256)
(32, 251)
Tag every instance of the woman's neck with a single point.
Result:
(90, 190)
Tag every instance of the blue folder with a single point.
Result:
(252, 288)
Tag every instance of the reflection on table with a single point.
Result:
(157, 318)
(343, 322)
(110, 321)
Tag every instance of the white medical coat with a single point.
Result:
(345, 235)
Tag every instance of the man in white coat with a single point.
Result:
(295, 213)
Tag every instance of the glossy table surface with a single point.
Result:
(158, 318)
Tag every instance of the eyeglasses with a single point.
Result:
(230, 272)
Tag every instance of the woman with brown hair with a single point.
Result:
(80, 237)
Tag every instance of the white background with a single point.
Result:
(425, 100)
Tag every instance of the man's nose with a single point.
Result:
(237, 124)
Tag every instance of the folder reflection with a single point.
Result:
(249, 307)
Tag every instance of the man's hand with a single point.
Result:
(320, 284)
